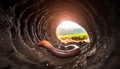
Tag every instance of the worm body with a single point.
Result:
(58, 52)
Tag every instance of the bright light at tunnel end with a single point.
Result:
(69, 26)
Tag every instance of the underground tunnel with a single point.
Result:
(29, 34)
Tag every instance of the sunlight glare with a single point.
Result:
(69, 25)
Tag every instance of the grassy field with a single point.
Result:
(75, 36)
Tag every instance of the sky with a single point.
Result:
(69, 27)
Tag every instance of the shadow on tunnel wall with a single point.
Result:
(24, 23)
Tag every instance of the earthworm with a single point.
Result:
(60, 53)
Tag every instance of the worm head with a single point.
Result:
(43, 43)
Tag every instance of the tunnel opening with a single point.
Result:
(69, 31)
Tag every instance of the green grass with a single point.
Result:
(80, 36)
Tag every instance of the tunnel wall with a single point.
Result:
(24, 23)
